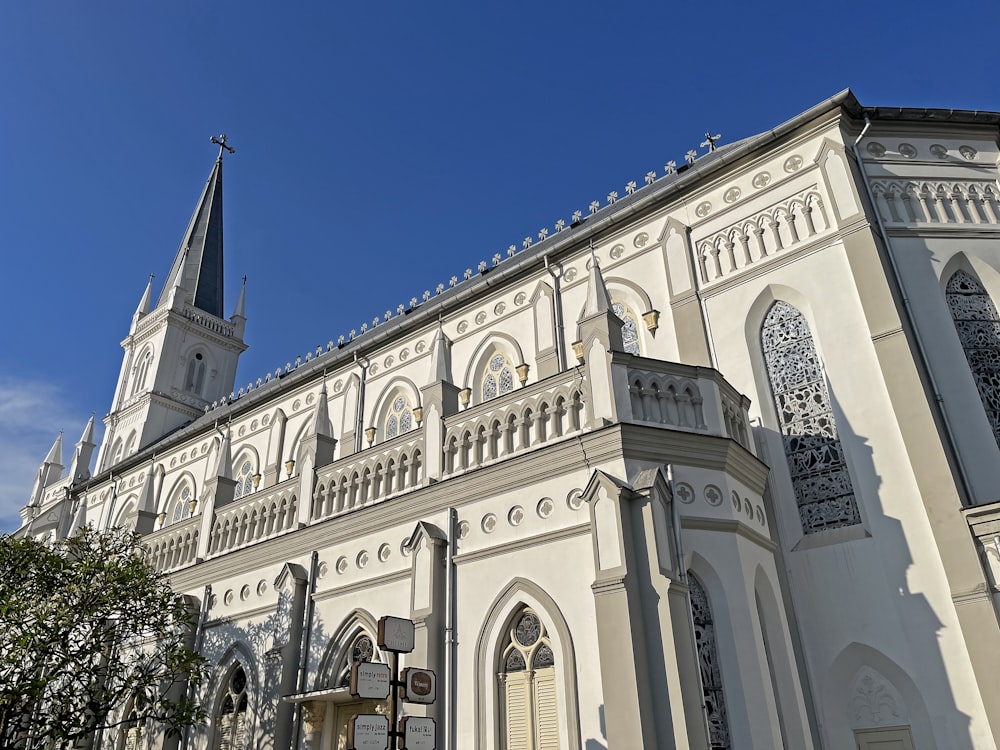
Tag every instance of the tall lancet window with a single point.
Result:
(527, 677)
(231, 719)
(630, 329)
(815, 456)
(708, 663)
(194, 380)
(244, 477)
(978, 327)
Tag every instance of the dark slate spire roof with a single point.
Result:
(197, 268)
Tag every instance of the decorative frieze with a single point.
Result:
(914, 202)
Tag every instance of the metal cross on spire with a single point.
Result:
(222, 142)
(709, 141)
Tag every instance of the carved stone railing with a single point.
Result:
(688, 398)
(209, 321)
(759, 237)
(370, 476)
(174, 546)
(255, 517)
(909, 201)
(517, 421)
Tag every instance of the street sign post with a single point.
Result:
(368, 732)
(419, 685)
(395, 634)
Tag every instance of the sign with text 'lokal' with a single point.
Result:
(368, 732)
(395, 634)
(419, 685)
(419, 733)
(370, 680)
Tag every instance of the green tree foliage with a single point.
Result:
(88, 630)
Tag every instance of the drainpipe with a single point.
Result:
(300, 680)
(558, 321)
(449, 634)
(359, 427)
(196, 647)
(924, 362)
(675, 518)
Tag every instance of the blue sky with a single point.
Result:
(381, 149)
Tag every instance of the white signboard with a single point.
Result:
(395, 634)
(370, 680)
(419, 733)
(420, 685)
(368, 732)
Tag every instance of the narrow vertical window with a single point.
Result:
(232, 716)
(630, 329)
(978, 328)
(180, 508)
(399, 419)
(527, 678)
(815, 456)
(708, 663)
(195, 379)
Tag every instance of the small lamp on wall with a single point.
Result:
(578, 350)
(370, 436)
(162, 518)
(192, 504)
(289, 467)
(256, 481)
(465, 396)
(418, 414)
(522, 372)
(652, 320)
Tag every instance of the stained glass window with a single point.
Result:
(708, 663)
(244, 479)
(528, 696)
(499, 377)
(233, 713)
(362, 648)
(399, 420)
(630, 330)
(822, 483)
(978, 328)
(181, 508)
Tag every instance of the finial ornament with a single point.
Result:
(710, 140)
(222, 141)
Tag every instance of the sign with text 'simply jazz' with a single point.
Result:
(368, 732)
(395, 634)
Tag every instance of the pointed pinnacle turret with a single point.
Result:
(80, 468)
(321, 424)
(240, 311)
(441, 357)
(198, 265)
(598, 299)
(54, 457)
(224, 466)
(143, 308)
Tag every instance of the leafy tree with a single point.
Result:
(87, 629)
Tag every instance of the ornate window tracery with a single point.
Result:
(232, 716)
(244, 478)
(630, 329)
(822, 483)
(708, 664)
(194, 380)
(362, 649)
(498, 378)
(400, 419)
(527, 677)
(978, 327)
(181, 508)
(141, 371)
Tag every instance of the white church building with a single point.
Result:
(712, 465)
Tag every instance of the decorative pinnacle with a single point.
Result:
(222, 141)
(710, 140)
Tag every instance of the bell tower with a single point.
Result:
(181, 353)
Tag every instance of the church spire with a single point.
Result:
(197, 267)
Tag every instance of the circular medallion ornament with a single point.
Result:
(499, 308)
(939, 151)
(480, 318)
(227, 599)
(362, 559)
(545, 507)
(463, 529)
(489, 523)
(384, 552)
(641, 239)
(793, 163)
(713, 495)
(968, 153)
(515, 516)
(759, 512)
(341, 565)
(520, 298)
(262, 587)
(575, 499)
(736, 502)
(761, 179)
(684, 492)
(528, 629)
(245, 592)
(876, 149)
(617, 251)
(404, 354)
(704, 209)
(732, 195)
(404, 547)
(419, 348)
(463, 326)
(907, 150)
(570, 274)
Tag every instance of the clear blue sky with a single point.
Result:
(381, 149)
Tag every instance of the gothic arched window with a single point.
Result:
(630, 329)
(362, 649)
(194, 380)
(399, 419)
(141, 371)
(231, 719)
(527, 677)
(708, 664)
(244, 478)
(978, 327)
(498, 378)
(815, 456)
(180, 507)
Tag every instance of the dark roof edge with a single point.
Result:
(916, 114)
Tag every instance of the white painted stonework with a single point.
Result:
(749, 534)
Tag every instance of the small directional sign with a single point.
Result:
(370, 680)
(419, 685)
(368, 732)
(395, 634)
(419, 733)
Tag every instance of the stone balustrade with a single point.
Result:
(255, 517)
(176, 545)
